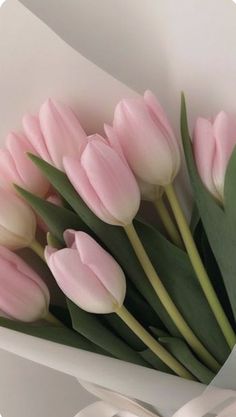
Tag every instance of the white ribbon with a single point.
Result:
(214, 402)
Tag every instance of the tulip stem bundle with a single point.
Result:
(37, 248)
(168, 223)
(199, 269)
(152, 343)
(167, 302)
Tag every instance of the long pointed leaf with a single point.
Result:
(219, 224)
(92, 329)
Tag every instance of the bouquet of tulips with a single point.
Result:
(151, 289)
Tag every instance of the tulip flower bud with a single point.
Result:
(17, 168)
(23, 294)
(213, 144)
(105, 182)
(147, 139)
(57, 132)
(87, 274)
(17, 221)
(149, 192)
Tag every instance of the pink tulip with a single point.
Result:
(23, 294)
(17, 221)
(55, 133)
(213, 144)
(147, 139)
(16, 167)
(105, 182)
(87, 274)
(149, 192)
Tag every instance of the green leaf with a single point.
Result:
(194, 219)
(219, 223)
(92, 329)
(61, 335)
(118, 327)
(155, 362)
(139, 307)
(57, 218)
(176, 272)
(122, 330)
(213, 270)
(181, 351)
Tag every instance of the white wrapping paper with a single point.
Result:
(36, 63)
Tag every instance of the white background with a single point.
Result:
(161, 44)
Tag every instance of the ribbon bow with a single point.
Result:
(214, 402)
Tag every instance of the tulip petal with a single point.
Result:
(144, 145)
(113, 141)
(8, 172)
(29, 175)
(20, 297)
(62, 131)
(162, 121)
(34, 135)
(17, 221)
(79, 180)
(102, 264)
(112, 180)
(159, 115)
(22, 267)
(225, 139)
(79, 283)
(204, 152)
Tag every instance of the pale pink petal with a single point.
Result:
(79, 180)
(25, 269)
(162, 121)
(34, 135)
(225, 139)
(20, 297)
(17, 220)
(102, 264)
(144, 145)
(62, 131)
(79, 283)
(113, 140)
(30, 176)
(112, 180)
(69, 238)
(160, 117)
(204, 152)
(8, 172)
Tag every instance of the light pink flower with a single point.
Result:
(17, 221)
(149, 192)
(55, 132)
(213, 144)
(17, 168)
(105, 182)
(23, 294)
(147, 139)
(87, 274)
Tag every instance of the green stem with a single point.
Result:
(50, 318)
(37, 248)
(199, 269)
(155, 346)
(167, 302)
(168, 223)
